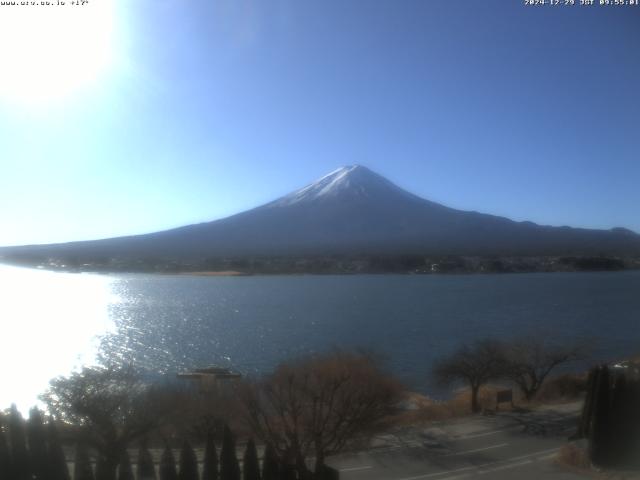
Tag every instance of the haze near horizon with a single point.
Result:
(190, 113)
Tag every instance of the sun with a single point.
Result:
(50, 49)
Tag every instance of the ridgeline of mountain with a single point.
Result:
(351, 211)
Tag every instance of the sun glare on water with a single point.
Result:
(53, 48)
(51, 323)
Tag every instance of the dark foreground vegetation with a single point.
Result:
(302, 413)
(111, 423)
(331, 264)
(611, 416)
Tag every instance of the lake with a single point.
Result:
(54, 322)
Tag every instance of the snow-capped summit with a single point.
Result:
(349, 182)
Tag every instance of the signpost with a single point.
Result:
(504, 396)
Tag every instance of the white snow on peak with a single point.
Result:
(351, 177)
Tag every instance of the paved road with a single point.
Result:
(502, 446)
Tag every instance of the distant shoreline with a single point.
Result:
(225, 273)
(341, 267)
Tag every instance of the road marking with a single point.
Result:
(404, 446)
(354, 469)
(477, 450)
(547, 457)
(477, 435)
(508, 462)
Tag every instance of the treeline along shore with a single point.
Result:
(330, 264)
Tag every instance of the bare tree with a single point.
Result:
(197, 413)
(530, 360)
(475, 364)
(110, 404)
(317, 406)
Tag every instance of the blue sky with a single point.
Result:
(203, 108)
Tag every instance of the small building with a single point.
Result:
(209, 378)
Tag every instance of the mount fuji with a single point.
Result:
(350, 211)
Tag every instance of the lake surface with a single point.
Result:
(53, 322)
